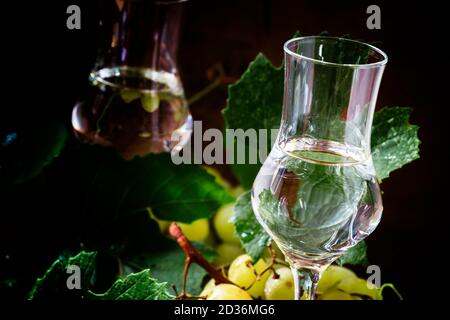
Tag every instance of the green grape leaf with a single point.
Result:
(140, 245)
(183, 193)
(252, 236)
(136, 286)
(356, 255)
(53, 285)
(254, 102)
(109, 186)
(25, 152)
(395, 142)
(166, 262)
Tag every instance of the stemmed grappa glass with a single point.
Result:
(317, 194)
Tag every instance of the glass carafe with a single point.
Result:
(136, 101)
(317, 194)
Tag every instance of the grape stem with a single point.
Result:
(193, 256)
(186, 295)
(220, 79)
(273, 260)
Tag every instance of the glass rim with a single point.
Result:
(350, 65)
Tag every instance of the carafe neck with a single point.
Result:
(142, 33)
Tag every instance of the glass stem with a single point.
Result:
(305, 282)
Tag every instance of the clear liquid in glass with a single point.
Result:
(316, 199)
(136, 110)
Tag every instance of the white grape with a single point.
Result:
(162, 224)
(332, 276)
(224, 228)
(358, 286)
(208, 288)
(281, 288)
(244, 273)
(226, 291)
(195, 231)
(226, 253)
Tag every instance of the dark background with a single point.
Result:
(45, 69)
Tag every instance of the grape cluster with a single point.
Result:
(337, 283)
(263, 280)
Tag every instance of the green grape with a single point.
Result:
(163, 224)
(228, 292)
(358, 286)
(218, 178)
(281, 288)
(242, 272)
(208, 288)
(224, 228)
(197, 230)
(332, 276)
(211, 238)
(150, 101)
(226, 253)
(334, 294)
